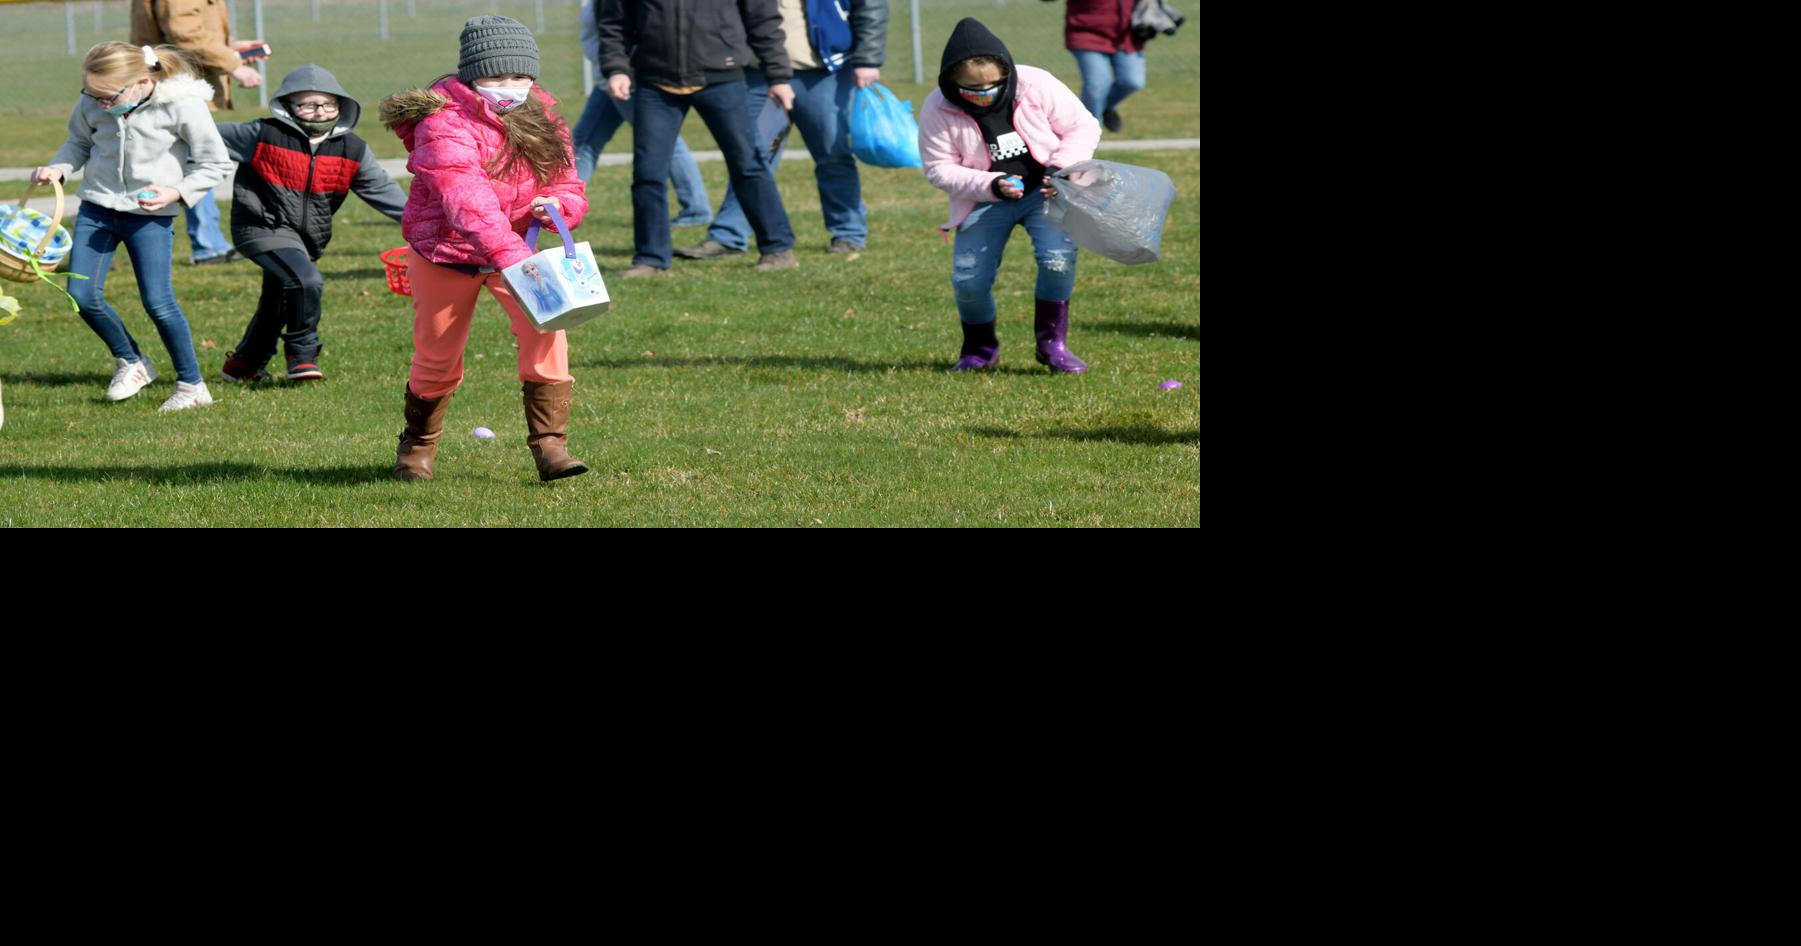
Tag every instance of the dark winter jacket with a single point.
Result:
(287, 188)
(687, 43)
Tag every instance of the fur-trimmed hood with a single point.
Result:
(403, 111)
(170, 140)
(172, 92)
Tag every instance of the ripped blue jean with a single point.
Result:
(983, 237)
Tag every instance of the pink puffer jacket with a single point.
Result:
(457, 212)
(1056, 126)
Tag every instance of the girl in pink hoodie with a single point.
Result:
(990, 136)
(487, 155)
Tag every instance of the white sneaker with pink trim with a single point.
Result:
(129, 377)
(187, 395)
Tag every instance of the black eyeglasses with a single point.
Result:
(107, 102)
(317, 108)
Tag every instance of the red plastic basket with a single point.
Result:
(396, 263)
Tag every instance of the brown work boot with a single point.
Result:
(774, 261)
(706, 249)
(419, 441)
(546, 424)
(643, 272)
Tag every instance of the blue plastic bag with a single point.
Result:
(882, 129)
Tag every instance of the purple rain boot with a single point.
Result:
(981, 349)
(1050, 323)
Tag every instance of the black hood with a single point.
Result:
(968, 40)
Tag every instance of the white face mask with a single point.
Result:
(503, 99)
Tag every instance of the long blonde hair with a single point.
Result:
(121, 64)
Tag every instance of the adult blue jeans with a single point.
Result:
(656, 127)
(203, 229)
(150, 241)
(982, 239)
(600, 121)
(822, 116)
(1108, 78)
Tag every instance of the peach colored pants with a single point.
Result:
(443, 311)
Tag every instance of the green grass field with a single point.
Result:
(810, 398)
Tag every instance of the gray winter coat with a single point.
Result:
(170, 140)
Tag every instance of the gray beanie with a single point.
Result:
(496, 46)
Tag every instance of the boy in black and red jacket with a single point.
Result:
(295, 169)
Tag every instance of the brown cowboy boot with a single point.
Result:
(419, 441)
(546, 424)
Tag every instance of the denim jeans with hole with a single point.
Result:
(981, 241)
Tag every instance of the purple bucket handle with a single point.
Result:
(556, 217)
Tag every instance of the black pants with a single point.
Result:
(292, 301)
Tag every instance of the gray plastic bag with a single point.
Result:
(1116, 210)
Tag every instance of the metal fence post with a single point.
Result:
(919, 69)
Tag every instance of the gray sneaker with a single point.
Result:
(841, 245)
(774, 261)
(643, 272)
(707, 249)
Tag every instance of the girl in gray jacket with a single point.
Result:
(142, 131)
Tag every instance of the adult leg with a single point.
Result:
(722, 107)
(731, 228)
(821, 106)
(1097, 78)
(656, 124)
(203, 230)
(600, 120)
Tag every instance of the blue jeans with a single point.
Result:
(1108, 78)
(203, 229)
(151, 243)
(656, 128)
(601, 119)
(983, 238)
(822, 116)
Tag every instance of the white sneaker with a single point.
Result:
(129, 378)
(187, 395)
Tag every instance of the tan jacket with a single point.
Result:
(199, 28)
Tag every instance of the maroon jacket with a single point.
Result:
(1102, 26)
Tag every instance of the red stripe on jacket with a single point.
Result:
(287, 168)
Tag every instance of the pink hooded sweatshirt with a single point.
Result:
(457, 212)
(1056, 126)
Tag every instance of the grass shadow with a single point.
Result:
(380, 272)
(202, 473)
(1191, 332)
(1139, 434)
(807, 362)
(58, 379)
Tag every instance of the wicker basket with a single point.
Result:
(16, 268)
